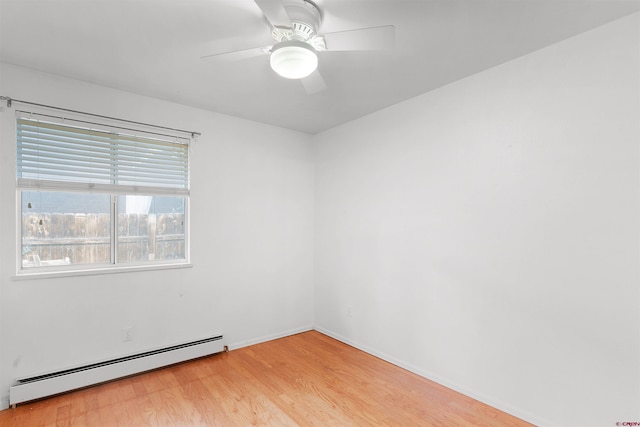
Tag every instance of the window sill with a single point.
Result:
(98, 271)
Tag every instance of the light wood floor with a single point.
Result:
(307, 379)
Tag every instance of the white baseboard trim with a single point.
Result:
(496, 403)
(246, 343)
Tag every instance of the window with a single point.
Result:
(98, 196)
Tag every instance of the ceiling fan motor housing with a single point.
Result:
(305, 21)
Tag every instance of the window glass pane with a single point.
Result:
(150, 228)
(65, 228)
(85, 194)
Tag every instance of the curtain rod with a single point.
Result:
(11, 100)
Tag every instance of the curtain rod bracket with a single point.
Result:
(6, 98)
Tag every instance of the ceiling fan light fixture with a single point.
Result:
(293, 59)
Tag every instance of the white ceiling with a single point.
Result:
(153, 47)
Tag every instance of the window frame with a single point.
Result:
(113, 266)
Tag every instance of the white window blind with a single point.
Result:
(74, 156)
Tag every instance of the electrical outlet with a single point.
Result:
(127, 333)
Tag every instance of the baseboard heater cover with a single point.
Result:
(37, 387)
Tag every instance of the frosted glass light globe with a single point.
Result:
(293, 59)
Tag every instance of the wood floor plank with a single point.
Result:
(307, 379)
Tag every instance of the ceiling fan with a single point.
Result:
(294, 28)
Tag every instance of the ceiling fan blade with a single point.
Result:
(275, 12)
(374, 38)
(237, 55)
(314, 83)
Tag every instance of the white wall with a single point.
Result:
(486, 234)
(252, 244)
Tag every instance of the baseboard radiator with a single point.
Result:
(36, 387)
